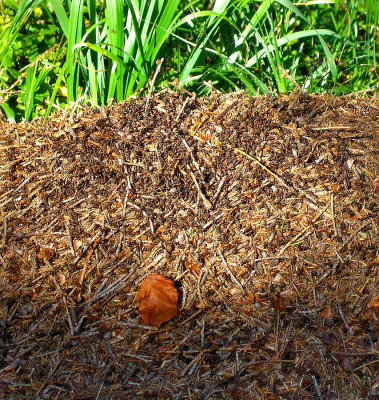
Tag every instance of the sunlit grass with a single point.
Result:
(56, 52)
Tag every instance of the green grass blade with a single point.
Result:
(274, 63)
(107, 54)
(166, 17)
(136, 48)
(200, 45)
(258, 16)
(329, 57)
(288, 38)
(61, 15)
(9, 33)
(29, 91)
(56, 88)
(75, 30)
(212, 24)
(32, 84)
(10, 114)
(253, 83)
(116, 39)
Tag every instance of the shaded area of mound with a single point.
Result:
(265, 213)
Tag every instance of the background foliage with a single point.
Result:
(59, 52)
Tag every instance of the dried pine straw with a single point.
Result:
(264, 211)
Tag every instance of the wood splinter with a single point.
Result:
(208, 205)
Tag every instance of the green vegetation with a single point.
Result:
(59, 52)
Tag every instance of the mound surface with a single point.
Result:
(265, 213)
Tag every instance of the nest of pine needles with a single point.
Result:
(265, 213)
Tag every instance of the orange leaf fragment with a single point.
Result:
(203, 136)
(76, 244)
(46, 253)
(373, 303)
(194, 267)
(258, 297)
(326, 312)
(158, 300)
(280, 303)
(250, 298)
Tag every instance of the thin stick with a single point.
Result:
(50, 374)
(208, 205)
(225, 111)
(159, 65)
(303, 231)
(264, 167)
(234, 279)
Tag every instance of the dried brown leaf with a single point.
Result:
(158, 300)
(46, 253)
(326, 312)
(76, 244)
(373, 303)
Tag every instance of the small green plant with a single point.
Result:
(58, 52)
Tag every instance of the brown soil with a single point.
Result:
(265, 213)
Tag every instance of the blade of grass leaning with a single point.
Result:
(288, 38)
(329, 57)
(135, 48)
(116, 39)
(32, 83)
(222, 75)
(254, 81)
(92, 36)
(176, 23)
(169, 13)
(56, 88)
(107, 54)
(95, 61)
(94, 70)
(61, 15)
(9, 33)
(10, 114)
(75, 29)
(212, 24)
(258, 16)
(149, 14)
(199, 46)
(28, 91)
(273, 62)
(234, 66)
(152, 19)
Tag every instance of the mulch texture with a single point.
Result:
(265, 213)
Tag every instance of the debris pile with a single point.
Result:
(263, 211)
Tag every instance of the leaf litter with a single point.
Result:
(158, 300)
(263, 211)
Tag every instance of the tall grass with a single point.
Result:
(59, 52)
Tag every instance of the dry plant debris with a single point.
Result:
(265, 213)
(158, 300)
